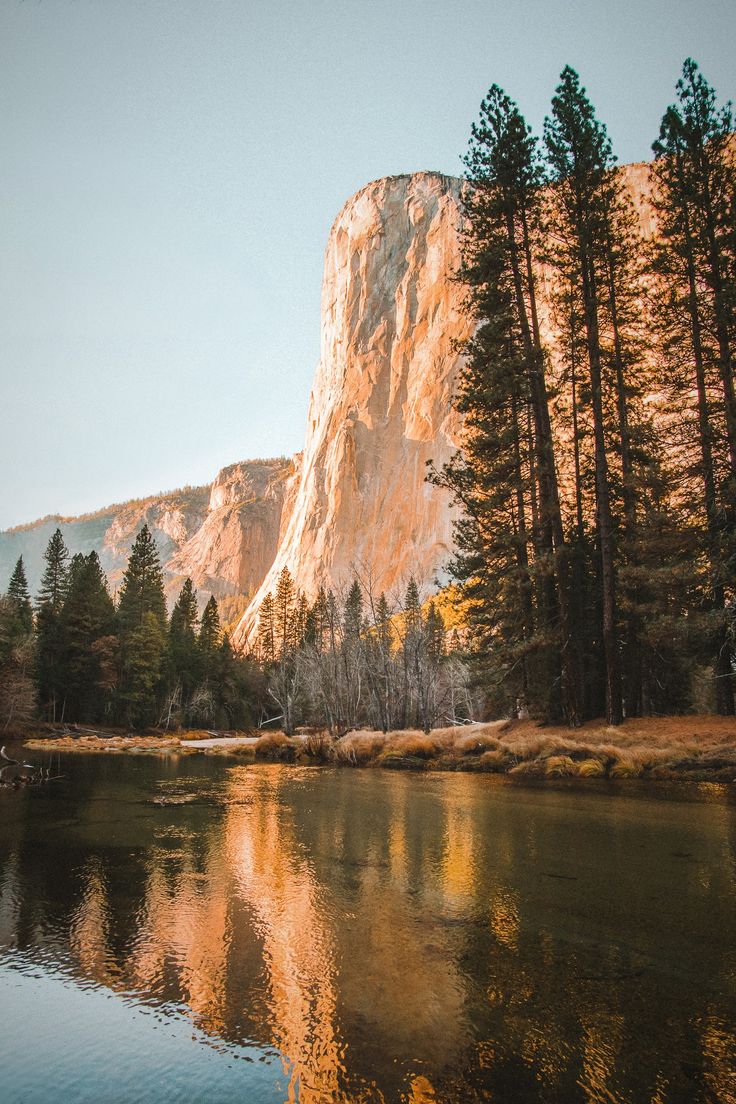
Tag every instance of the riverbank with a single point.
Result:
(701, 748)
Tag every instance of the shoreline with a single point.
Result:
(691, 748)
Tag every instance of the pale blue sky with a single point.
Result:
(169, 173)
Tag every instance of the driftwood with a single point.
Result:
(16, 774)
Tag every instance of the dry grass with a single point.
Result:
(358, 749)
(415, 745)
(317, 746)
(274, 746)
(656, 747)
(698, 748)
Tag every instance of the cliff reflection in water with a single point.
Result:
(401, 938)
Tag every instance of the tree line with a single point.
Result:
(76, 655)
(359, 660)
(596, 548)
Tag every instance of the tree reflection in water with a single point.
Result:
(392, 937)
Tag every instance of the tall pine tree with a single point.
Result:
(141, 626)
(695, 265)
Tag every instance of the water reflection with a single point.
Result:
(394, 938)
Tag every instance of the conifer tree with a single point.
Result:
(17, 651)
(88, 616)
(586, 203)
(142, 590)
(285, 679)
(51, 642)
(695, 263)
(266, 631)
(53, 588)
(283, 609)
(209, 638)
(142, 631)
(184, 657)
(512, 555)
(19, 600)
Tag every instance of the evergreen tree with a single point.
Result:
(17, 683)
(142, 590)
(695, 265)
(19, 600)
(184, 655)
(283, 610)
(587, 199)
(266, 631)
(53, 588)
(513, 559)
(209, 639)
(88, 617)
(51, 642)
(142, 632)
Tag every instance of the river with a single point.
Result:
(191, 929)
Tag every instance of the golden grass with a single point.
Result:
(272, 745)
(358, 749)
(559, 766)
(591, 768)
(657, 747)
(698, 747)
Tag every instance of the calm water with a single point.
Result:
(189, 930)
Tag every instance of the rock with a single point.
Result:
(380, 406)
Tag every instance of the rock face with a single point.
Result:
(224, 536)
(380, 406)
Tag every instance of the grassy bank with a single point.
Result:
(691, 748)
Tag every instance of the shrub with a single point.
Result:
(496, 760)
(475, 744)
(317, 745)
(357, 749)
(560, 766)
(591, 768)
(625, 768)
(274, 746)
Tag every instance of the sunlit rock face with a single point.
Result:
(233, 548)
(224, 536)
(380, 406)
(381, 403)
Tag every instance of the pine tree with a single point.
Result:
(184, 656)
(209, 638)
(695, 264)
(88, 616)
(283, 610)
(142, 631)
(266, 631)
(53, 588)
(586, 199)
(50, 637)
(506, 479)
(142, 590)
(20, 600)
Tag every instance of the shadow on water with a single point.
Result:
(325, 935)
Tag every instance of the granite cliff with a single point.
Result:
(380, 406)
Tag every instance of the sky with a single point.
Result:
(169, 173)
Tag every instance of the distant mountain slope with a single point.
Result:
(224, 535)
